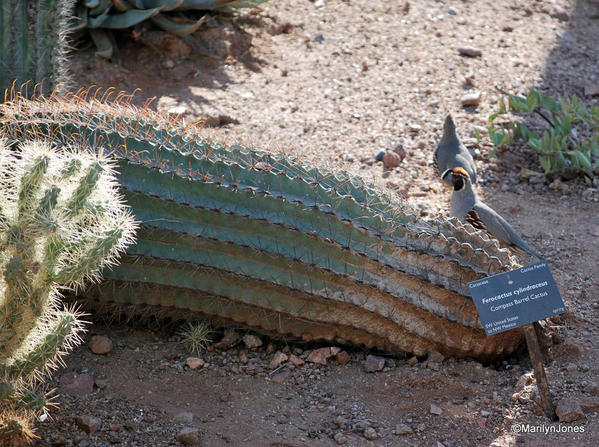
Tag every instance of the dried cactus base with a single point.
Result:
(275, 244)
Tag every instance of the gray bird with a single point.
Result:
(451, 153)
(468, 208)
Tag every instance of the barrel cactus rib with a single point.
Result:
(316, 248)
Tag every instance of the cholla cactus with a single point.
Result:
(61, 220)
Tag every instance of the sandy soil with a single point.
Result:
(335, 82)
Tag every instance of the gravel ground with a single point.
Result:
(336, 82)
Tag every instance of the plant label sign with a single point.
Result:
(516, 298)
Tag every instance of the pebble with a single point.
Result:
(380, 155)
(590, 88)
(281, 377)
(320, 356)
(189, 436)
(194, 362)
(278, 358)
(88, 424)
(403, 429)
(435, 409)
(230, 339)
(471, 99)
(415, 128)
(436, 356)
(252, 341)
(296, 361)
(340, 438)
(470, 51)
(453, 11)
(412, 361)
(100, 344)
(592, 388)
(391, 159)
(371, 434)
(569, 410)
(374, 363)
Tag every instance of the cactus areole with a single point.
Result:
(263, 240)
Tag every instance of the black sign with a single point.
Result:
(516, 298)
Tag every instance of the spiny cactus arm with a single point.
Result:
(62, 334)
(15, 430)
(406, 325)
(362, 283)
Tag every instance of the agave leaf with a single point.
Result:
(96, 22)
(179, 29)
(129, 18)
(167, 5)
(122, 5)
(545, 163)
(102, 43)
(218, 4)
(103, 6)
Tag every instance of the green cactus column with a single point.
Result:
(266, 241)
(34, 44)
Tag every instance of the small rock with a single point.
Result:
(341, 422)
(168, 64)
(370, 434)
(435, 410)
(471, 99)
(560, 14)
(340, 438)
(391, 159)
(252, 341)
(590, 88)
(469, 79)
(380, 155)
(177, 111)
(194, 362)
(436, 356)
(230, 339)
(278, 358)
(403, 429)
(453, 11)
(485, 413)
(412, 361)
(320, 356)
(415, 128)
(399, 150)
(526, 173)
(470, 51)
(101, 384)
(335, 350)
(88, 424)
(342, 358)
(184, 417)
(569, 410)
(319, 38)
(189, 436)
(76, 384)
(374, 363)
(100, 344)
(296, 361)
(433, 365)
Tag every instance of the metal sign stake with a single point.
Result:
(536, 358)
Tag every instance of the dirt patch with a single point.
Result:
(336, 82)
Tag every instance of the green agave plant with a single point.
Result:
(101, 16)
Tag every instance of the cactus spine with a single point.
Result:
(33, 43)
(263, 240)
(61, 221)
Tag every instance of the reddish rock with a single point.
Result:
(343, 358)
(88, 424)
(76, 384)
(230, 339)
(471, 99)
(194, 362)
(374, 363)
(278, 358)
(100, 344)
(320, 356)
(252, 341)
(391, 159)
(436, 356)
(413, 361)
(189, 436)
(569, 410)
(296, 360)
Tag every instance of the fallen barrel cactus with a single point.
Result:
(263, 240)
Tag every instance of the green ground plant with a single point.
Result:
(569, 143)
